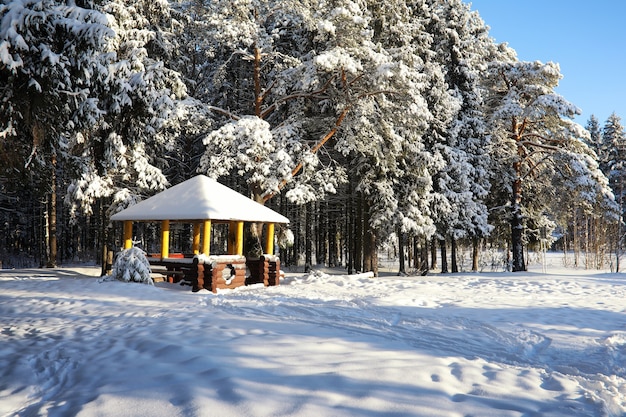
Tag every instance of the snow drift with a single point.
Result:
(490, 344)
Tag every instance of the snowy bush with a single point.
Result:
(131, 265)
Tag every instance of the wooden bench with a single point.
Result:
(175, 269)
(217, 271)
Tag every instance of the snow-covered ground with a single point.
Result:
(488, 344)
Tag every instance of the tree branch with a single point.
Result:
(330, 134)
(314, 149)
(313, 94)
(539, 145)
(534, 166)
(224, 112)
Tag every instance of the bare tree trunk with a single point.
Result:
(455, 267)
(424, 257)
(46, 233)
(104, 242)
(308, 236)
(409, 251)
(321, 254)
(52, 222)
(517, 246)
(401, 245)
(371, 237)
(350, 238)
(444, 256)
(618, 241)
(333, 243)
(588, 261)
(517, 221)
(433, 253)
(359, 243)
(575, 240)
(370, 255)
(367, 246)
(475, 244)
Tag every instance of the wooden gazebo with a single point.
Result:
(202, 202)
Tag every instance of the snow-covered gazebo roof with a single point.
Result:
(200, 198)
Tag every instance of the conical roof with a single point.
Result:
(200, 198)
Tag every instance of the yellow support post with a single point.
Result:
(239, 239)
(196, 238)
(165, 238)
(206, 238)
(269, 239)
(128, 234)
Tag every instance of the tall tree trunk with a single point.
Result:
(258, 94)
(104, 242)
(575, 240)
(424, 257)
(444, 256)
(565, 243)
(588, 261)
(46, 233)
(308, 236)
(359, 244)
(409, 250)
(475, 244)
(350, 238)
(455, 267)
(52, 220)
(401, 245)
(433, 253)
(517, 221)
(373, 247)
(370, 256)
(321, 253)
(333, 244)
(618, 240)
(517, 228)
(367, 242)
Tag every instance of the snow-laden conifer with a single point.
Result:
(131, 265)
(530, 126)
(51, 64)
(462, 47)
(122, 158)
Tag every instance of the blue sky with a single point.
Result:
(586, 37)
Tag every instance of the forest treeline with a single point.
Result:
(397, 125)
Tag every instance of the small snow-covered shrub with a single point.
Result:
(131, 265)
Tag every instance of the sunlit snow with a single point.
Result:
(321, 344)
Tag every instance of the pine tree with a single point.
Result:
(463, 48)
(529, 123)
(51, 59)
(323, 90)
(595, 138)
(581, 194)
(122, 156)
(614, 143)
(88, 89)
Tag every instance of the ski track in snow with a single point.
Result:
(449, 332)
(534, 346)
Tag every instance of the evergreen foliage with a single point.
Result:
(369, 124)
(531, 126)
(131, 265)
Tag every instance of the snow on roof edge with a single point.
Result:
(200, 198)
